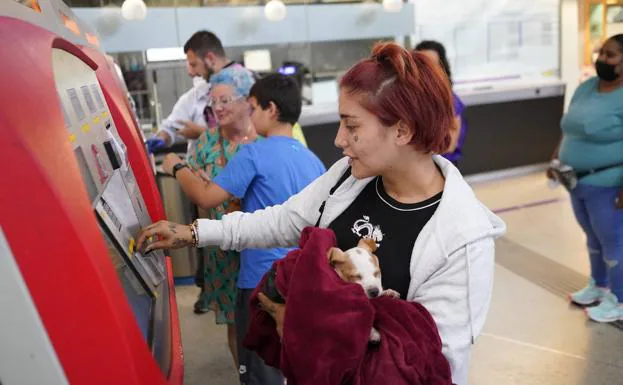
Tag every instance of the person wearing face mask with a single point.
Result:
(205, 56)
(395, 113)
(437, 52)
(592, 146)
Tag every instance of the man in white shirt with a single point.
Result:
(204, 56)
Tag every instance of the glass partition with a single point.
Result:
(487, 41)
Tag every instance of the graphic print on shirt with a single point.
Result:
(364, 229)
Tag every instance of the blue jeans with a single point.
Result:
(603, 224)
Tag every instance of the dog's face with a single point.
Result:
(359, 265)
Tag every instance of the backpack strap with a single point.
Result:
(333, 189)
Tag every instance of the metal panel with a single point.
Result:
(26, 354)
(170, 84)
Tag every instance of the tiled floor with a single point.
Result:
(532, 336)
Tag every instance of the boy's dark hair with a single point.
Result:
(202, 42)
(283, 91)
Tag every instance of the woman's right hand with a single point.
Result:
(171, 236)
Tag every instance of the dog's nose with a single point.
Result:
(373, 292)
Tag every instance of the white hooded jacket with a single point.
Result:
(452, 262)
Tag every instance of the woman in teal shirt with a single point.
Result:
(592, 139)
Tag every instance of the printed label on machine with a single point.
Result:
(98, 96)
(88, 99)
(75, 102)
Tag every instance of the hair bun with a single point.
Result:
(393, 57)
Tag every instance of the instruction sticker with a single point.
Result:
(98, 96)
(88, 98)
(75, 102)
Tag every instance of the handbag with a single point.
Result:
(568, 177)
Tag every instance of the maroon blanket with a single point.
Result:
(327, 326)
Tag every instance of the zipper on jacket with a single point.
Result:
(469, 296)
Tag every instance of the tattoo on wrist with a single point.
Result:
(178, 242)
(172, 227)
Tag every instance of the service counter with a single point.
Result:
(509, 125)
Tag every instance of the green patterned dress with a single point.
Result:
(212, 152)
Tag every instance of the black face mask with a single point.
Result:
(606, 71)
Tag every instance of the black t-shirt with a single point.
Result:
(393, 225)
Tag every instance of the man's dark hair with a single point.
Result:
(202, 42)
(283, 91)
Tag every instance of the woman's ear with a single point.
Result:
(403, 133)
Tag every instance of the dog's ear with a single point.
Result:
(368, 244)
(336, 256)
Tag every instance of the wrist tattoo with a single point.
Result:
(172, 227)
(178, 242)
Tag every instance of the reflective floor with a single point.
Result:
(532, 336)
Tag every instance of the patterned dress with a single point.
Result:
(212, 152)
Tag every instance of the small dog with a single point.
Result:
(359, 265)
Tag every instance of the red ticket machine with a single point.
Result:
(79, 303)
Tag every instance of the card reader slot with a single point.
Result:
(112, 155)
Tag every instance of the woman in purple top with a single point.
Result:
(437, 52)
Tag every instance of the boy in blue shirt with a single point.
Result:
(264, 173)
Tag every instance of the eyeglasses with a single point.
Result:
(224, 101)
